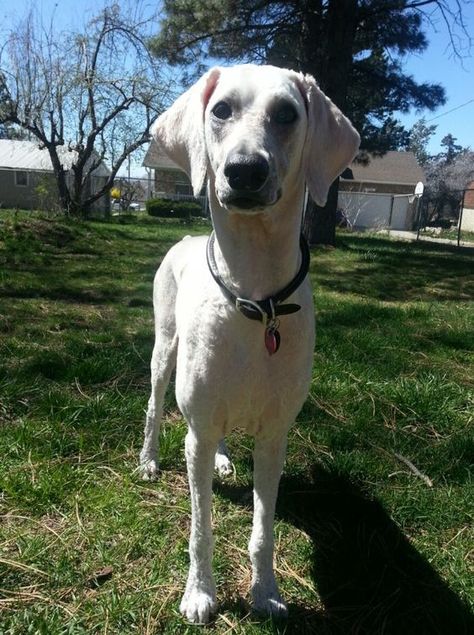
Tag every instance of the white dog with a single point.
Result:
(234, 315)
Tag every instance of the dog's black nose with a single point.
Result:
(246, 172)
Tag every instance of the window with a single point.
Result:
(21, 179)
(183, 188)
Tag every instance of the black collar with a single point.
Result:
(268, 309)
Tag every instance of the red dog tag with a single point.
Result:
(272, 340)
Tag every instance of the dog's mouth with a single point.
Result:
(246, 201)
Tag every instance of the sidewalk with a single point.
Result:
(411, 236)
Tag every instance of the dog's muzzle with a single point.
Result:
(247, 175)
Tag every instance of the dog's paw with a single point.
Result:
(268, 601)
(148, 470)
(223, 465)
(198, 606)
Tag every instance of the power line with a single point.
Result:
(449, 111)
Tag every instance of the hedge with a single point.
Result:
(166, 208)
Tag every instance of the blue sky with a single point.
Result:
(436, 64)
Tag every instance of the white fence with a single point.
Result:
(467, 220)
(365, 210)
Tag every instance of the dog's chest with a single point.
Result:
(225, 374)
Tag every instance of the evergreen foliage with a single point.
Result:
(303, 35)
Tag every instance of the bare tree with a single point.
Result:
(93, 94)
(448, 175)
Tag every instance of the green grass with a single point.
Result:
(374, 520)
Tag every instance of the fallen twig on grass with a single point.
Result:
(414, 469)
(408, 463)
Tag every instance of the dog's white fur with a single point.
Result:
(225, 377)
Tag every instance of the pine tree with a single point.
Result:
(419, 137)
(354, 49)
(451, 149)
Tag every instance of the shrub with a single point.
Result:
(167, 208)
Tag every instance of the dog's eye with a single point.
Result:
(222, 110)
(285, 114)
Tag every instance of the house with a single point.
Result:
(170, 180)
(379, 193)
(27, 180)
(467, 220)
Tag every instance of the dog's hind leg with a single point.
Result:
(163, 362)
(222, 462)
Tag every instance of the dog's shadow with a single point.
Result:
(370, 578)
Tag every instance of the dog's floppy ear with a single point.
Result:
(180, 129)
(331, 141)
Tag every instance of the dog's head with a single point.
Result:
(254, 130)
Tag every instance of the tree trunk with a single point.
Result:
(78, 190)
(60, 176)
(319, 226)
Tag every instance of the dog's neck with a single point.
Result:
(258, 254)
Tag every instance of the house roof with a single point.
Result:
(27, 155)
(400, 168)
(157, 158)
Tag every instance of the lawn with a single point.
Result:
(374, 521)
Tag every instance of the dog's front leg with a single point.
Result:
(199, 600)
(269, 456)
